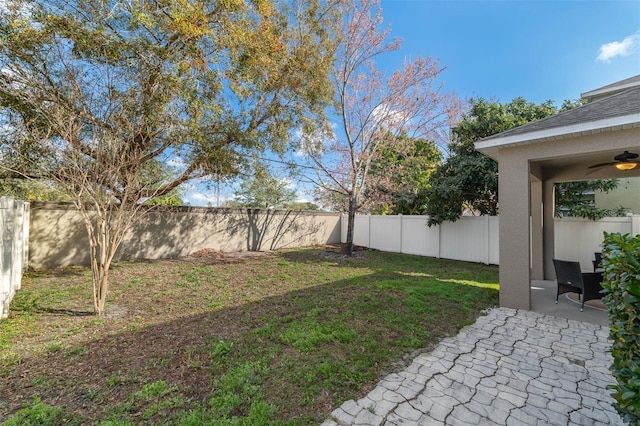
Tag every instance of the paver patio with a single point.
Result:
(511, 367)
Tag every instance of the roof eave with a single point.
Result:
(609, 90)
(491, 146)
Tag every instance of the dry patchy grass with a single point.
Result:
(277, 338)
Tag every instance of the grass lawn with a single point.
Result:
(278, 338)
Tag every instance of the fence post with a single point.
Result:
(18, 246)
(401, 219)
(486, 239)
(635, 224)
(439, 239)
(6, 245)
(14, 223)
(25, 234)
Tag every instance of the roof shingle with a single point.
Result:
(620, 104)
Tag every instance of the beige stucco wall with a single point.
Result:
(514, 230)
(58, 236)
(627, 195)
(548, 161)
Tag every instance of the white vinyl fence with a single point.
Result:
(472, 238)
(578, 239)
(475, 238)
(14, 248)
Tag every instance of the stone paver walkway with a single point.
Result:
(510, 367)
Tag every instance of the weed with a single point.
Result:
(154, 390)
(39, 413)
(135, 282)
(91, 395)
(154, 409)
(77, 351)
(114, 381)
(220, 349)
(53, 347)
(193, 277)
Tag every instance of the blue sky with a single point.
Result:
(535, 49)
(540, 50)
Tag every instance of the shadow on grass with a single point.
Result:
(291, 357)
(64, 312)
(398, 263)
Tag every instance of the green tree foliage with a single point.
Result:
(332, 198)
(469, 179)
(571, 199)
(302, 205)
(400, 178)
(31, 190)
(95, 95)
(621, 283)
(262, 189)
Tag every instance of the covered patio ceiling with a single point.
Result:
(576, 167)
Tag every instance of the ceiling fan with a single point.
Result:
(625, 161)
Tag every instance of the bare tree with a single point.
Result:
(101, 96)
(373, 110)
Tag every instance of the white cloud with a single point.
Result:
(626, 47)
(198, 196)
(203, 199)
(289, 184)
(177, 162)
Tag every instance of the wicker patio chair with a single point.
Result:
(570, 278)
(596, 263)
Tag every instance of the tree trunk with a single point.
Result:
(104, 243)
(351, 219)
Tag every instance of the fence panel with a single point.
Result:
(466, 239)
(418, 238)
(360, 231)
(14, 222)
(385, 233)
(578, 239)
(476, 238)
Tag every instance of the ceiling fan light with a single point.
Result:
(626, 166)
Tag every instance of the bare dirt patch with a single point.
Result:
(209, 255)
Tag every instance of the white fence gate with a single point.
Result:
(475, 238)
(14, 248)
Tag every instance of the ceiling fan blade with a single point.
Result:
(602, 164)
(592, 171)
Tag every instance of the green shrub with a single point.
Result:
(621, 281)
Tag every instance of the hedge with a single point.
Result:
(621, 282)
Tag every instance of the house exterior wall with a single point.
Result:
(58, 235)
(627, 195)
